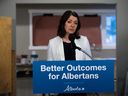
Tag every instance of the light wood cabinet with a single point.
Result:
(7, 57)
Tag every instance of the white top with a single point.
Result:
(56, 49)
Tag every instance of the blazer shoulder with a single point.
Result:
(55, 39)
(83, 38)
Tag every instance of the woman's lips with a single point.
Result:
(71, 30)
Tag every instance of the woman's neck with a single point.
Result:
(66, 39)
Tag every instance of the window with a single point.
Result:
(110, 30)
(108, 27)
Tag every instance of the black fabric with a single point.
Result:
(69, 51)
(72, 94)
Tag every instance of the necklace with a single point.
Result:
(66, 40)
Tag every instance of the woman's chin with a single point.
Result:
(71, 32)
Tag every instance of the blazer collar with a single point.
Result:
(61, 49)
(78, 53)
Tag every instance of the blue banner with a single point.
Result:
(73, 76)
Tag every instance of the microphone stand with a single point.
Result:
(76, 47)
(84, 52)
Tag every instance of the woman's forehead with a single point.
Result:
(72, 18)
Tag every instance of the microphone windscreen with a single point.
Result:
(71, 37)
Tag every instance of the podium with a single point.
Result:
(88, 76)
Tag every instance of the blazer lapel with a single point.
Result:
(61, 50)
(78, 53)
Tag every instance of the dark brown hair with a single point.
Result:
(61, 30)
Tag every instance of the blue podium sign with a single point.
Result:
(73, 76)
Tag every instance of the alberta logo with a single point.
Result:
(70, 88)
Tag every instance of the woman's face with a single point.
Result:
(71, 25)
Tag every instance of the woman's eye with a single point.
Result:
(69, 21)
(76, 23)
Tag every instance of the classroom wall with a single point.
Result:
(122, 45)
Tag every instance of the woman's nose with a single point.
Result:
(72, 25)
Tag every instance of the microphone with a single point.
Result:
(72, 38)
(84, 52)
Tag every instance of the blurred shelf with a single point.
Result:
(23, 70)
